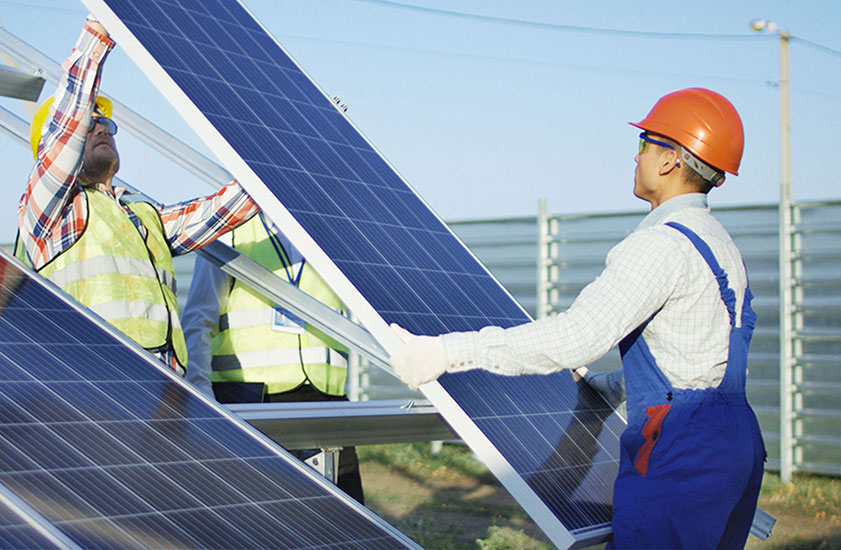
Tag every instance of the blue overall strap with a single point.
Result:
(748, 314)
(727, 294)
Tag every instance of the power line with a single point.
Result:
(568, 28)
(519, 61)
(545, 62)
(592, 30)
(817, 46)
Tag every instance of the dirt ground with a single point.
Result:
(445, 508)
(796, 529)
(460, 508)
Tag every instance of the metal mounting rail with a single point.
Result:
(332, 424)
(302, 304)
(19, 84)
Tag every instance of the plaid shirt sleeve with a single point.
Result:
(52, 211)
(192, 224)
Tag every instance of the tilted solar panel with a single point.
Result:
(23, 527)
(116, 452)
(16, 532)
(374, 240)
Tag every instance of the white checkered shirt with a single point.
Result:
(655, 273)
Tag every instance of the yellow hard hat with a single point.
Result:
(103, 106)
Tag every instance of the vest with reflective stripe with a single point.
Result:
(248, 349)
(20, 251)
(126, 281)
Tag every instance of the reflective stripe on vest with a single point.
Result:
(145, 310)
(106, 264)
(244, 319)
(129, 282)
(289, 356)
(248, 349)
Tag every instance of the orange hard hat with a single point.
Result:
(702, 121)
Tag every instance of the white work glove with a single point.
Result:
(579, 373)
(420, 359)
(611, 385)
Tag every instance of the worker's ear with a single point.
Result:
(669, 160)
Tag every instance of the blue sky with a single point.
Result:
(484, 115)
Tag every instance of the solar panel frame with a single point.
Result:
(390, 181)
(23, 527)
(158, 450)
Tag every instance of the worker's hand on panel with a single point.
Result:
(419, 360)
(579, 373)
(611, 385)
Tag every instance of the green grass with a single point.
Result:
(808, 494)
(444, 500)
(449, 500)
(808, 512)
(419, 458)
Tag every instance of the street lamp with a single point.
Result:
(786, 253)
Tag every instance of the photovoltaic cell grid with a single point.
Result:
(407, 264)
(112, 451)
(560, 437)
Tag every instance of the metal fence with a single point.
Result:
(545, 261)
(545, 270)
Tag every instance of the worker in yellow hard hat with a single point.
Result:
(674, 297)
(103, 107)
(79, 230)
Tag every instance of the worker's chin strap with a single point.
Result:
(707, 172)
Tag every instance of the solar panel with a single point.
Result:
(23, 527)
(374, 240)
(112, 450)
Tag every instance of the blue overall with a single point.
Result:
(691, 461)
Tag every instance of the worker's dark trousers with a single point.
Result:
(348, 479)
(691, 461)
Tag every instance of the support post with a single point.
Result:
(786, 282)
(542, 260)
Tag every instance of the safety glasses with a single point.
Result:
(645, 140)
(110, 125)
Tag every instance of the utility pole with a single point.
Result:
(786, 255)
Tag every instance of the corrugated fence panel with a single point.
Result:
(578, 245)
(817, 336)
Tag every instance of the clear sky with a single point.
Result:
(484, 113)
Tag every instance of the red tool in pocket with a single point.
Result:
(651, 433)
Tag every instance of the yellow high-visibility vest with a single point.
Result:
(20, 251)
(125, 280)
(253, 345)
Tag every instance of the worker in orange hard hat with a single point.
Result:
(674, 298)
(708, 129)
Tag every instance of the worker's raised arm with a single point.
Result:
(192, 224)
(52, 183)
